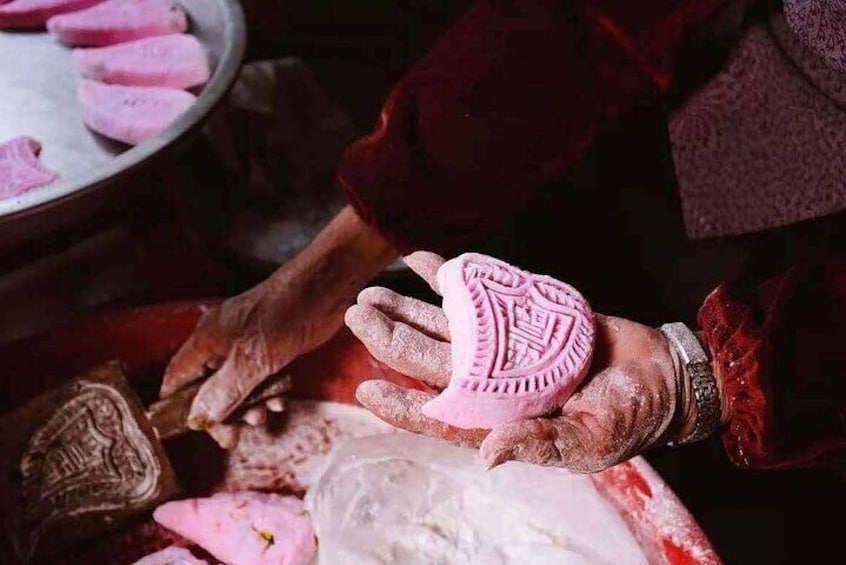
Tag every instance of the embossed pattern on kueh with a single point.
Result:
(521, 343)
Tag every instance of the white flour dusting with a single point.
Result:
(285, 460)
(401, 498)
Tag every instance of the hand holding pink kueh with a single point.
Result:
(509, 346)
(521, 343)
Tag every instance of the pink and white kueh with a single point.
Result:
(521, 343)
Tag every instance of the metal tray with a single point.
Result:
(38, 97)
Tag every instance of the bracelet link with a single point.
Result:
(697, 366)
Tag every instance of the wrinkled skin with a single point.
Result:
(245, 339)
(257, 333)
(635, 396)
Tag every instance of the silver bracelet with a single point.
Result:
(697, 365)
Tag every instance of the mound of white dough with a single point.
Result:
(402, 498)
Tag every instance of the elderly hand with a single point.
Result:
(257, 333)
(635, 396)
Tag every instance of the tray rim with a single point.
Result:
(228, 65)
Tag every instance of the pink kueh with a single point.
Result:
(118, 21)
(131, 114)
(521, 343)
(32, 14)
(20, 169)
(173, 61)
(244, 528)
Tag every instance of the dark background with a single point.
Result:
(162, 242)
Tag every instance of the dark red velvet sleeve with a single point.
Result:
(505, 101)
(781, 350)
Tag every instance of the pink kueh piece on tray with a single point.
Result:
(174, 61)
(244, 528)
(172, 555)
(118, 21)
(131, 114)
(20, 169)
(521, 343)
(30, 14)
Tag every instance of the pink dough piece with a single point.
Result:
(244, 528)
(28, 14)
(20, 169)
(131, 114)
(521, 343)
(172, 555)
(118, 21)
(174, 61)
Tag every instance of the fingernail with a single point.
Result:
(495, 458)
(364, 296)
(368, 392)
(213, 406)
(351, 316)
(228, 443)
(199, 423)
(255, 417)
(225, 435)
(276, 405)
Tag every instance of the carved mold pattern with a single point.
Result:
(90, 457)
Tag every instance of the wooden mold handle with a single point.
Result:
(169, 416)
